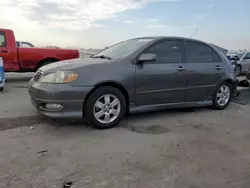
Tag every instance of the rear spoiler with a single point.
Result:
(223, 50)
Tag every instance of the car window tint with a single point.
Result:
(2, 40)
(166, 52)
(198, 53)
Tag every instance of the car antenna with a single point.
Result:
(194, 32)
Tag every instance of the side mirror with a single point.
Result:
(235, 58)
(147, 58)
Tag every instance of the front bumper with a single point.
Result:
(71, 98)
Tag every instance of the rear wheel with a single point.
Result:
(222, 96)
(105, 107)
(45, 63)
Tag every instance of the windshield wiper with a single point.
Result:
(102, 57)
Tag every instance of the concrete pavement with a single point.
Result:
(173, 148)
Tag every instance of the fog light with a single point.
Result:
(53, 106)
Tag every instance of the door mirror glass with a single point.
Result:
(147, 58)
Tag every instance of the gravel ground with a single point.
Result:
(189, 148)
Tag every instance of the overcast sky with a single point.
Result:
(97, 23)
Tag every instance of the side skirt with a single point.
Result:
(134, 108)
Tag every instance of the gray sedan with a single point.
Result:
(242, 63)
(149, 71)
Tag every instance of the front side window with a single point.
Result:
(199, 53)
(2, 40)
(167, 51)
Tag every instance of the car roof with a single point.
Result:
(168, 37)
(157, 38)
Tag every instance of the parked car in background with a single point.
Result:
(242, 62)
(23, 58)
(149, 71)
(248, 75)
(21, 44)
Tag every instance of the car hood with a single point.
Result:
(71, 64)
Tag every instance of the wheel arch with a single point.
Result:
(48, 59)
(114, 84)
(232, 82)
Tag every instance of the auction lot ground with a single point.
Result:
(192, 148)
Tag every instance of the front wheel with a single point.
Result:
(237, 70)
(222, 96)
(105, 107)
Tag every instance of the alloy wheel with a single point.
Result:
(223, 95)
(237, 71)
(107, 108)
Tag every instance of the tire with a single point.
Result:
(1, 88)
(105, 109)
(216, 99)
(45, 63)
(237, 70)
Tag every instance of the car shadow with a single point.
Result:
(17, 77)
(128, 120)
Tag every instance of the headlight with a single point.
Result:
(59, 77)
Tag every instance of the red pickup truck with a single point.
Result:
(28, 59)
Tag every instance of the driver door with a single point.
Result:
(162, 81)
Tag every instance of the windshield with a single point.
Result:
(123, 49)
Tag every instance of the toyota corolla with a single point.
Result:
(149, 71)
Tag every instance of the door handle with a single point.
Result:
(180, 68)
(218, 67)
(4, 51)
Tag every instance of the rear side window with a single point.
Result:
(167, 51)
(2, 40)
(216, 57)
(200, 53)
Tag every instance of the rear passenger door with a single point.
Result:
(204, 71)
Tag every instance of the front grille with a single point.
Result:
(38, 75)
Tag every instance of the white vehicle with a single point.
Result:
(22, 44)
(2, 77)
(242, 63)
